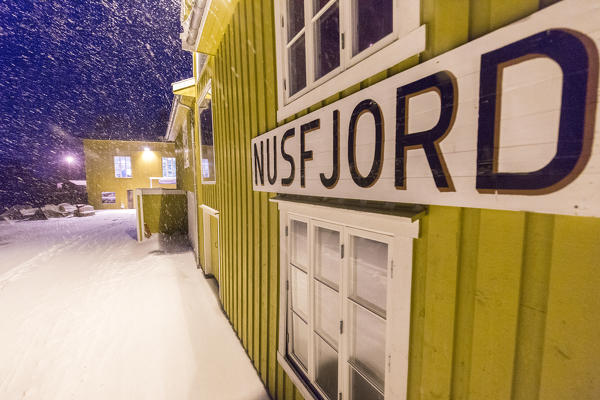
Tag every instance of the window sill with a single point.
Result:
(409, 45)
(296, 380)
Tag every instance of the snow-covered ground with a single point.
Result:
(88, 313)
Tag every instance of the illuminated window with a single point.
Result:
(122, 167)
(168, 167)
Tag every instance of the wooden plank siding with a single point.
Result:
(504, 304)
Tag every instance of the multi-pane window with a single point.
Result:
(319, 40)
(169, 169)
(318, 43)
(337, 318)
(122, 166)
(207, 148)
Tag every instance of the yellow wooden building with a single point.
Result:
(398, 198)
(115, 168)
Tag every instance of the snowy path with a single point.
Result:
(88, 313)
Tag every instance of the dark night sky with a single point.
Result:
(75, 69)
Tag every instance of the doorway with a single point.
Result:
(210, 229)
(192, 213)
(130, 199)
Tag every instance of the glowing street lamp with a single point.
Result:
(69, 160)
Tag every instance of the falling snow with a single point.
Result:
(80, 69)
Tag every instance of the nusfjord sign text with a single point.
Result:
(507, 126)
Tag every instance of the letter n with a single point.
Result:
(259, 171)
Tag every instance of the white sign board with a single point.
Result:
(506, 121)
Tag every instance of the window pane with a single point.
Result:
(206, 140)
(369, 273)
(295, 17)
(367, 343)
(327, 41)
(122, 166)
(299, 234)
(300, 340)
(360, 389)
(297, 61)
(327, 251)
(318, 4)
(374, 19)
(299, 287)
(327, 368)
(327, 315)
(168, 167)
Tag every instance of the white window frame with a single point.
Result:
(399, 232)
(406, 40)
(127, 162)
(163, 166)
(201, 107)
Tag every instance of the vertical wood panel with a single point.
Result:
(254, 207)
(440, 296)
(271, 107)
(496, 303)
(232, 171)
(235, 188)
(264, 231)
(465, 301)
(537, 255)
(243, 187)
(571, 346)
(447, 25)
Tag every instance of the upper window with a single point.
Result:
(122, 167)
(207, 148)
(169, 169)
(321, 40)
(348, 291)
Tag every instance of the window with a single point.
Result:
(122, 167)
(186, 147)
(327, 43)
(345, 301)
(207, 149)
(168, 167)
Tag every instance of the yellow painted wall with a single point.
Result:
(166, 213)
(504, 304)
(100, 170)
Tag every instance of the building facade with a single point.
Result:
(115, 168)
(398, 199)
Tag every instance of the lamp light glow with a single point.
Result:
(147, 154)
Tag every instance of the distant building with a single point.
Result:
(115, 168)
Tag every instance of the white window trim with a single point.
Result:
(407, 40)
(402, 230)
(206, 90)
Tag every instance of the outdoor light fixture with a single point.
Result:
(69, 159)
(147, 154)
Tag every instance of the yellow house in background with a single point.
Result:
(115, 168)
